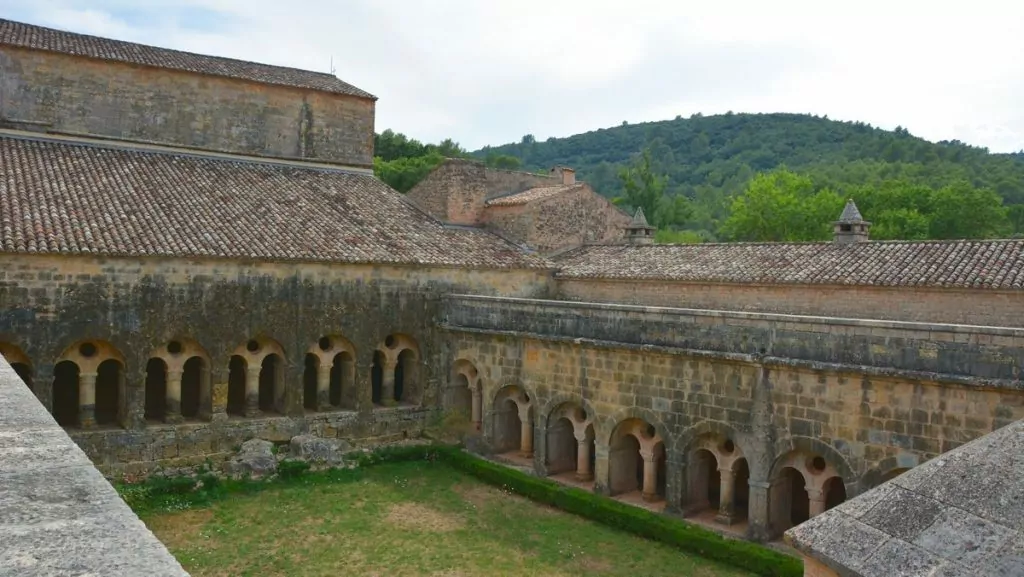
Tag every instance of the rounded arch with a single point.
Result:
(177, 351)
(696, 437)
(520, 393)
(14, 354)
(254, 350)
(889, 468)
(396, 343)
(327, 347)
(89, 354)
(605, 428)
(786, 448)
(466, 368)
(556, 401)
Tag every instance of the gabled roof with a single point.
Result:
(960, 514)
(532, 194)
(989, 264)
(59, 196)
(23, 35)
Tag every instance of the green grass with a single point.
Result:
(404, 519)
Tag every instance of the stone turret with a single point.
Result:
(851, 226)
(639, 231)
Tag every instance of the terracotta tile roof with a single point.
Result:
(34, 37)
(67, 197)
(994, 264)
(532, 195)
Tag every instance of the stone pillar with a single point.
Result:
(526, 438)
(675, 483)
(759, 528)
(476, 405)
(86, 400)
(172, 401)
(323, 387)
(726, 510)
(817, 498)
(387, 384)
(583, 472)
(650, 488)
(252, 391)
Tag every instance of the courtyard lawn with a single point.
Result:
(405, 519)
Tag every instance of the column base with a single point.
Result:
(526, 454)
(584, 477)
(86, 418)
(173, 418)
(650, 497)
(730, 518)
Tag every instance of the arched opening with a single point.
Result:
(343, 370)
(309, 382)
(893, 474)
(192, 375)
(834, 492)
(793, 490)
(405, 376)
(271, 373)
(562, 447)
(625, 466)
(661, 470)
(18, 361)
(156, 390)
(65, 394)
(462, 397)
(507, 426)
(108, 388)
(741, 489)
(236, 386)
(377, 377)
(705, 481)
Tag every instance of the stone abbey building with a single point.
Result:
(195, 252)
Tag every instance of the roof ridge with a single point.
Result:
(35, 43)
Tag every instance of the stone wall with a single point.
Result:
(133, 308)
(128, 102)
(870, 398)
(971, 307)
(562, 221)
(60, 516)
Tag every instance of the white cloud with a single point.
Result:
(489, 72)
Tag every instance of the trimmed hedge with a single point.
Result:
(688, 537)
(183, 492)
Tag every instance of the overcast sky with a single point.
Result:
(490, 71)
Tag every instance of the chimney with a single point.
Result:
(639, 231)
(851, 226)
(567, 175)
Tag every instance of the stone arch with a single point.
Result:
(99, 381)
(801, 477)
(606, 426)
(696, 433)
(512, 420)
(637, 459)
(264, 376)
(717, 470)
(401, 378)
(329, 375)
(888, 469)
(568, 438)
(552, 403)
(19, 361)
(465, 394)
(183, 384)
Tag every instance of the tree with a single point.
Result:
(961, 211)
(782, 206)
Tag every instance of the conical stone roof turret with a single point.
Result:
(851, 213)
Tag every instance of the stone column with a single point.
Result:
(759, 528)
(726, 510)
(583, 472)
(86, 400)
(817, 498)
(252, 391)
(387, 384)
(526, 438)
(323, 387)
(476, 407)
(172, 401)
(650, 488)
(675, 483)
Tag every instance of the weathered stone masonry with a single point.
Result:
(844, 404)
(131, 310)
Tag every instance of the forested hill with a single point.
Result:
(709, 159)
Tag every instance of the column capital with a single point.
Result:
(174, 373)
(87, 375)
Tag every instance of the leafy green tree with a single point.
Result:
(404, 173)
(782, 206)
(644, 188)
(961, 211)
